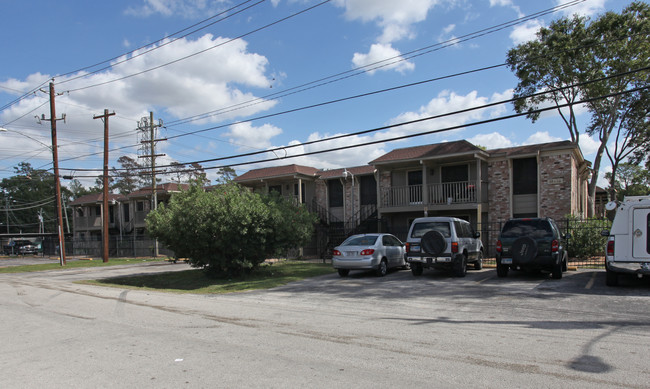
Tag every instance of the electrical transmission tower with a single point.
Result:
(148, 139)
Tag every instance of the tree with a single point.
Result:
(129, 177)
(568, 55)
(77, 189)
(25, 194)
(230, 230)
(632, 180)
(226, 175)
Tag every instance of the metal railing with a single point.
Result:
(460, 192)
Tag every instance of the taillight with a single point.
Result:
(367, 252)
(336, 252)
(408, 247)
(610, 247)
(555, 246)
(499, 246)
(454, 247)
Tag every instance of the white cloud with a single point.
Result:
(588, 145)
(526, 32)
(184, 8)
(541, 137)
(492, 140)
(246, 136)
(506, 3)
(587, 8)
(380, 52)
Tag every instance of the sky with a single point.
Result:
(230, 80)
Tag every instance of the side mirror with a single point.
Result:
(604, 233)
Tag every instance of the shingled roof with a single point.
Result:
(160, 189)
(277, 172)
(427, 151)
(532, 149)
(96, 198)
(357, 170)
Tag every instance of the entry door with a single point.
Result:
(415, 186)
(641, 239)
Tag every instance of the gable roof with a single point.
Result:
(277, 172)
(427, 152)
(533, 149)
(160, 189)
(336, 173)
(96, 198)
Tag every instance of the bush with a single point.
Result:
(586, 240)
(230, 230)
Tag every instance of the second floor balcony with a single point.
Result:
(462, 192)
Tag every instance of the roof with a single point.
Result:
(532, 149)
(427, 151)
(356, 171)
(277, 172)
(96, 198)
(169, 187)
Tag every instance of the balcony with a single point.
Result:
(463, 192)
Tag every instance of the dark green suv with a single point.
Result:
(531, 244)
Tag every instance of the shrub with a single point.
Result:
(229, 230)
(586, 240)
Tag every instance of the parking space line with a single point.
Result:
(484, 279)
(591, 281)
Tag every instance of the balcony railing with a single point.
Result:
(462, 192)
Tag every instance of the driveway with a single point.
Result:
(361, 331)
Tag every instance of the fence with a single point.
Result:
(132, 246)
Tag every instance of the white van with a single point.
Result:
(628, 245)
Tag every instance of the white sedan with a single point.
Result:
(378, 252)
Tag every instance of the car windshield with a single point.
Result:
(533, 228)
(419, 229)
(360, 241)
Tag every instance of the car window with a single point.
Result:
(419, 229)
(534, 228)
(360, 241)
(386, 241)
(393, 240)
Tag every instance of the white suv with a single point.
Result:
(446, 243)
(628, 242)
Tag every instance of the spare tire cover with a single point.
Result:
(433, 243)
(524, 250)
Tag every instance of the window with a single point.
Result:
(98, 210)
(455, 173)
(368, 190)
(139, 206)
(335, 193)
(524, 176)
(111, 217)
(422, 228)
(125, 213)
(80, 212)
(275, 188)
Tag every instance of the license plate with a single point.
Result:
(350, 253)
(506, 261)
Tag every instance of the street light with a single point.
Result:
(2, 129)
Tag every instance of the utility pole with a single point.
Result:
(104, 117)
(147, 125)
(57, 179)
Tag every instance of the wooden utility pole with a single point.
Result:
(105, 212)
(57, 178)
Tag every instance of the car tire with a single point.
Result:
(556, 273)
(433, 243)
(502, 270)
(416, 269)
(478, 265)
(460, 267)
(343, 272)
(524, 250)
(382, 268)
(611, 278)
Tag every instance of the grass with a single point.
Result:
(73, 264)
(195, 280)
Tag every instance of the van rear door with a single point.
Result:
(641, 238)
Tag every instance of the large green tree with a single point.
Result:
(229, 230)
(569, 54)
(25, 195)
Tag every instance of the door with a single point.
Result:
(640, 237)
(415, 186)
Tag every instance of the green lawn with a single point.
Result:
(74, 264)
(195, 280)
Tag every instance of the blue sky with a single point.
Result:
(253, 64)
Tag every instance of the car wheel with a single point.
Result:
(344, 272)
(478, 265)
(416, 269)
(461, 267)
(502, 271)
(382, 269)
(556, 273)
(611, 278)
(433, 243)
(524, 250)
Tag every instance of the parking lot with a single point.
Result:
(363, 331)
